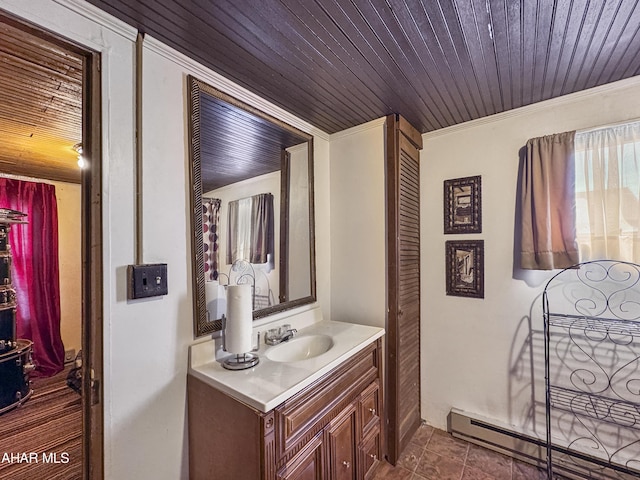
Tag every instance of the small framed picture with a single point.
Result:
(462, 205)
(465, 268)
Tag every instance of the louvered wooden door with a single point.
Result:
(403, 317)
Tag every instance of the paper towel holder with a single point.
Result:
(239, 361)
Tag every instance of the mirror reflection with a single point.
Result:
(253, 203)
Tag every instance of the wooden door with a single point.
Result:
(403, 302)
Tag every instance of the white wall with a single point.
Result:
(358, 253)
(146, 341)
(475, 353)
(299, 264)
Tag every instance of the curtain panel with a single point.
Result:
(35, 270)
(547, 201)
(262, 231)
(608, 192)
(210, 245)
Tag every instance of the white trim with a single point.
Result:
(205, 74)
(359, 128)
(100, 17)
(529, 109)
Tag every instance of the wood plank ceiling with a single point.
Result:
(236, 145)
(339, 63)
(40, 106)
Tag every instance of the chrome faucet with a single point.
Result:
(274, 336)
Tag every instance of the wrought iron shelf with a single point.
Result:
(606, 409)
(605, 325)
(592, 367)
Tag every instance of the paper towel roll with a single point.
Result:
(211, 290)
(239, 319)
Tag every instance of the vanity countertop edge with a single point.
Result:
(270, 383)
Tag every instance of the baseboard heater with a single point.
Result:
(525, 447)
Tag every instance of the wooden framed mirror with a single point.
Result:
(252, 203)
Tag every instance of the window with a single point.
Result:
(607, 186)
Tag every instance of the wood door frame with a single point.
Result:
(91, 261)
(92, 281)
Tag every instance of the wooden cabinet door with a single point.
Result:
(341, 435)
(308, 464)
(403, 316)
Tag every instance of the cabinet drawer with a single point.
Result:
(308, 464)
(369, 453)
(370, 407)
(307, 412)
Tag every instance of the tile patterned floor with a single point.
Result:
(436, 455)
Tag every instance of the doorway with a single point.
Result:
(49, 110)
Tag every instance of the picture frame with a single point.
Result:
(465, 268)
(463, 205)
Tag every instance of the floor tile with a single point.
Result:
(385, 471)
(488, 461)
(471, 473)
(410, 456)
(433, 466)
(525, 471)
(422, 435)
(444, 444)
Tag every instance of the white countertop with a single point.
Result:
(270, 383)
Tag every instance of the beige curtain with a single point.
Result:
(607, 192)
(262, 228)
(548, 236)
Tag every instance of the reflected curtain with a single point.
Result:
(239, 230)
(210, 230)
(548, 203)
(262, 231)
(608, 189)
(250, 229)
(35, 274)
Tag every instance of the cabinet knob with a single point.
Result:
(373, 411)
(373, 456)
(346, 464)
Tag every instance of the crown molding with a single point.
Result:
(534, 107)
(100, 17)
(358, 128)
(222, 83)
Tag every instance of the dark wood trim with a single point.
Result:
(285, 180)
(92, 312)
(390, 442)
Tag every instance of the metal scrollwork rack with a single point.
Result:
(592, 370)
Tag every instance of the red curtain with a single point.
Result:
(35, 278)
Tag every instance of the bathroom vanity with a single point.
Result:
(290, 416)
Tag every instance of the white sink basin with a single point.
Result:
(300, 348)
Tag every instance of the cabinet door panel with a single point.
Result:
(308, 464)
(342, 440)
(369, 453)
